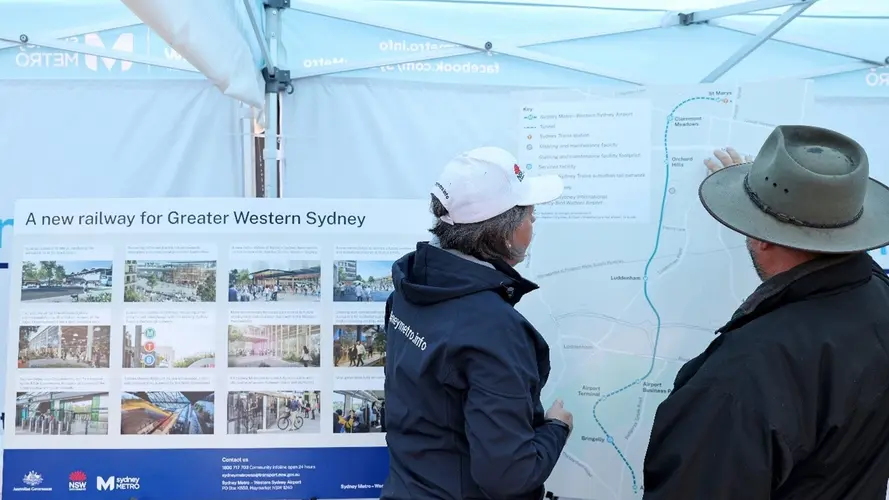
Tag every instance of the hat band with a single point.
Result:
(789, 219)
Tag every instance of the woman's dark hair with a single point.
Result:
(486, 240)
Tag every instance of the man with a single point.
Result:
(791, 400)
(464, 369)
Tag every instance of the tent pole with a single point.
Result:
(77, 31)
(248, 144)
(270, 151)
(870, 54)
(98, 51)
(757, 41)
(260, 38)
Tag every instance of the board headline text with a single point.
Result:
(178, 219)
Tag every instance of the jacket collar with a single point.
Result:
(516, 287)
(513, 289)
(821, 275)
(434, 242)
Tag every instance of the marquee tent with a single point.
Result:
(121, 98)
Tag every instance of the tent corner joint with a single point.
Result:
(276, 4)
(277, 80)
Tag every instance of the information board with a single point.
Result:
(185, 349)
(635, 275)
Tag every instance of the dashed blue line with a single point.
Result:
(657, 335)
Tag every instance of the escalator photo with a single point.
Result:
(61, 413)
(167, 412)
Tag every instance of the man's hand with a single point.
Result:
(558, 412)
(727, 157)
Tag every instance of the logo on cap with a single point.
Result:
(518, 172)
(443, 190)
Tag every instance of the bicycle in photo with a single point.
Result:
(290, 421)
(249, 425)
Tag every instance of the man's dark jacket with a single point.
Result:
(464, 372)
(790, 401)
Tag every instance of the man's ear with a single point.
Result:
(762, 245)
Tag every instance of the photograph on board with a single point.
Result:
(169, 345)
(274, 346)
(356, 412)
(55, 346)
(170, 281)
(66, 281)
(359, 345)
(166, 412)
(61, 413)
(362, 280)
(274, 412)
(275, 281)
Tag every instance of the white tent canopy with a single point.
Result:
(248, 48)
(532, 43)
(594, 42)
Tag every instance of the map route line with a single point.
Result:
(657, 240)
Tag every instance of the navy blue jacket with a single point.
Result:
(464, 372)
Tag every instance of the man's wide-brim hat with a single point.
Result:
(808, 188)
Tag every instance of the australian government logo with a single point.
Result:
(32, 482)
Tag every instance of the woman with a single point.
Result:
(306, 357)
(464, 369)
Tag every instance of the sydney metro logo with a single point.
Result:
(77, 481)
(124, 43)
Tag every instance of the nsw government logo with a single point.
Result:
(77, 481)
(112, 483)
(32, 482)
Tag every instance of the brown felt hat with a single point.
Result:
(808, 188)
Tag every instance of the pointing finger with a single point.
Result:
(724, 158)
(736, 158)
(711, 165)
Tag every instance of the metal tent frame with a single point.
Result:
(278, 80)
(718, 17)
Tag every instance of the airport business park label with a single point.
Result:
(218, 215)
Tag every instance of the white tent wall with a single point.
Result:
(401, 133)
(85, 139)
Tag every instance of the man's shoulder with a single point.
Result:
(741, 363)
(762, 359)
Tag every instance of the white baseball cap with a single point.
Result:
(485, 182)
